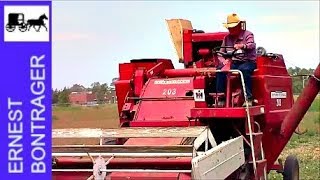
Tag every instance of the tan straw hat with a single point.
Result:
(232, 21)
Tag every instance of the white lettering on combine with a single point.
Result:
(278, 95)
(178, 81)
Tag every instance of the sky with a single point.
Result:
(91, 38)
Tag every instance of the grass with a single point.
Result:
(306, 146)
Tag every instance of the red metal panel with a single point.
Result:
(276, 108)
(161, 123)
(156, 70)
(164, 111)
(163, 87)
(187, 46)
(185, 176)
(70, 175)
(116, 163)
(122, 89)
(188, 72)
(238, 112)
(202, 37)
(138, 82)
(144, 176)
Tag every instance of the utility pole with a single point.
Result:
(303, 79)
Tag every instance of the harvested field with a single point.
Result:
(104, 116)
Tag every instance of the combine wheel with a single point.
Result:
(291, 168)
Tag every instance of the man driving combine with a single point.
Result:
(240, 39)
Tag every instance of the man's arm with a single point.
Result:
(223, 44)
(224, 50)
(250, 44)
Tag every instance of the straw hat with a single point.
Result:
(232, 21)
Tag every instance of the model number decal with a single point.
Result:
(278, 103)
(169, 91)
(278, 94)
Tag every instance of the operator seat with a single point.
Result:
(261, 51)
(197, 31)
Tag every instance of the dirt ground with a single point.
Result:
(84, 117)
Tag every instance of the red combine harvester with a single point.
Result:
(173, 128)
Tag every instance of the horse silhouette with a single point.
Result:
(37, 22)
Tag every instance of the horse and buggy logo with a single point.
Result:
(17, 20)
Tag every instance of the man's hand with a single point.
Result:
(239, 46)
(226, 61)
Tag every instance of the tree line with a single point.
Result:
(299, 79)
(99, 89)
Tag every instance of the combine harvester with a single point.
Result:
(172, 128)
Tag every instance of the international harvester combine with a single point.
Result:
(171, 126)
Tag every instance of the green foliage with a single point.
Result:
(55, 96)
(306, 148)
(63, 97)
(100, 90)
(299, 78)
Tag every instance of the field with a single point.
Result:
(305, 146)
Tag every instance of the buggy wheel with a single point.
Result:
(291, 168)
(10, 28)
(23, 27)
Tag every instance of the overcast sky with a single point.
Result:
(90, 38)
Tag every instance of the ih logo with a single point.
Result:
(199, 95)
(26, 23)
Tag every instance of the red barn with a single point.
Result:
(82, 98)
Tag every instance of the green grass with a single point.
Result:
(306, 146)
(315, 106)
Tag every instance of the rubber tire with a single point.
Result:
(291, 168)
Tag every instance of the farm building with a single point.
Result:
(82, 98)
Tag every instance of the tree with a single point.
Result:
(77, 88)
(113, 81)
(63, 97)
(100, 90)
(55, 96)
(299, 78)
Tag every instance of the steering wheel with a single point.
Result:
(236, 53)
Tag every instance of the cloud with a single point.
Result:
(72, 36)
